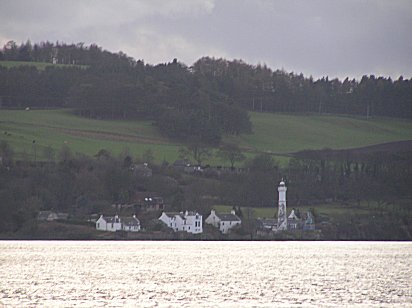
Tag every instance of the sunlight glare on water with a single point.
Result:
(206, 274)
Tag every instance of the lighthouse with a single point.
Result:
(282, 218)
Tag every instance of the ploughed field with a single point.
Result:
(30, 132)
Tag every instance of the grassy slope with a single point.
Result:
(39, 65)
(58, 127)
(275, 133)
(280, 133)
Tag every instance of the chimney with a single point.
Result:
(233, 212)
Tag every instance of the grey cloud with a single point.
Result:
(335, 38)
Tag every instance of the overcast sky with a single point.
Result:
(318, 38)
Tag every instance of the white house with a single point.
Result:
(51, 216)
(224, 222)
(113, 224)
(294, 222)
(47, 216)
(190, 222)
(131, 224)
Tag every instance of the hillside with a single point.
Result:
(281, 133)
(30, 132)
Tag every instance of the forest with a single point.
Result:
(201, 102)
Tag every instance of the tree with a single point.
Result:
(231, 153)
(6, 153)
(258, 185)
(49, 153)
(65, 154)
(148, 156)
(196, 150)
(103, 154)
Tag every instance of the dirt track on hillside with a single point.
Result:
(112, 136)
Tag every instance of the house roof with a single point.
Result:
(181, 163)
(293, 216)
(191, 213)
(181, 214)
(266, 223)
(44, 214)
(62, 216)
(228, 217)
(174, 214)
(130, 221)
(141, 166)
(112, 219)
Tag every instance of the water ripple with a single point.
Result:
(206, 274)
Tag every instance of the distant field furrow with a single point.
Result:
(94, 134)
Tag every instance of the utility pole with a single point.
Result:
(34, 150)
(320, 106)
(367, 112)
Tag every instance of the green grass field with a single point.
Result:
(280, 133)
(39, 65)
(272, 133)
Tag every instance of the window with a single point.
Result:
(98, 225)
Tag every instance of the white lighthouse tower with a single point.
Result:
(282, 218)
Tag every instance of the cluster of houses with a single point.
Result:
(116, 223)
(186, 166)
(191, 221)
(265, 226)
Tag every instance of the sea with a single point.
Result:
(205, 274)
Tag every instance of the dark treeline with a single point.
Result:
(202, 101)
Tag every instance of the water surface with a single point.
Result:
(206, 274)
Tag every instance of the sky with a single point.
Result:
(332, 38)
